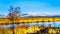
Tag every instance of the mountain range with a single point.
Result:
(27, 15)
(2, 16)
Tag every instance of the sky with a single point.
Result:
(32, 7)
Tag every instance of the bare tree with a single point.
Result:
(13, 15)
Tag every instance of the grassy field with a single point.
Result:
(29, 20)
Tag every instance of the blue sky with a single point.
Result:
(50, 7)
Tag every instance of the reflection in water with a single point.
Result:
(56, 24)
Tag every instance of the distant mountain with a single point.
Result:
(30, 16)
(2, 16)
(27, 15)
